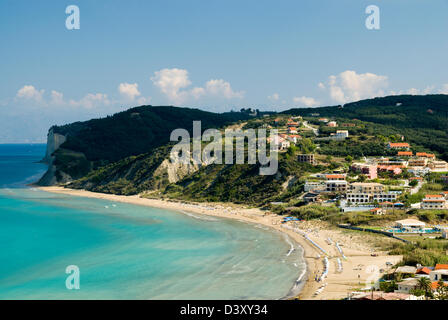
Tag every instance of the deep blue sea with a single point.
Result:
(125, 251)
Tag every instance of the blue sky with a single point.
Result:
(215, 55)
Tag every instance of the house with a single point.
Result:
(419, 179)
(369, 197)
(348, 125)
(308, 158)
(323, 120)
(365, 192)
(378, 211)
(285, 144)
(292, 124)
(404, 154)
(293, 138)
(339, 135)
(398, 145)
(425, 155)
(335, 176)
(336, 186)
(441, 266)
(445, 233)
(370, 170)
(433, 201)
(366, 187)
(410, 224)
(311, 197)
(332, 124)
(314, 185)
(406, 270)
(440, 272)
(407, 285)
(438, 166)
(394, 169)
(425, 271)
(422, 162)
(292, 130)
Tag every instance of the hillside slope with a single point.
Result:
(95, 143)
(423, 120)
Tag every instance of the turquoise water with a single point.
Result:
(129, 252)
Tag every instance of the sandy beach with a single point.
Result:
(350, 261)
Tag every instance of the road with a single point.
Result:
(315, 131)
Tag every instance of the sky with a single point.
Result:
(213, 55)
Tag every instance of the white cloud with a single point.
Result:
(222, 88)
(306, 101)
(92, 100)
(444, 89)
(415, 91)
(174, 83)
(351, 86)
(170, 82)
(57, 98)
(129, 91)
(197, 92)
(274, 97)
(143, 100)
(321, 85)
(29, 92)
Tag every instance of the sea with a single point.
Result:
(55, 246)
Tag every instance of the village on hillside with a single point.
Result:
(398, 181)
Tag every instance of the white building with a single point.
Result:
(410, 224)
(313, 185)
(433, 201)
(339, 135)
(441, 274)
(445, 233)
(407, 285)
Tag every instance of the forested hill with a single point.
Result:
(423, 120)
(94, 143)
(429, 111)
(137, 130)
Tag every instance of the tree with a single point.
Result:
(424, 284)
(413, 183)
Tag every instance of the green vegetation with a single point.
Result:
(427, 252)
(128, 176)
(99, 142)
(422, 120)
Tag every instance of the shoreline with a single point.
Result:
(337, 282)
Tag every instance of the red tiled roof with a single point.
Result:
(404, 153)
(399, 145)
(423, 270)
(433, 196)
(424, 154)
(435, 285)
(335, 176)
(440, 266)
